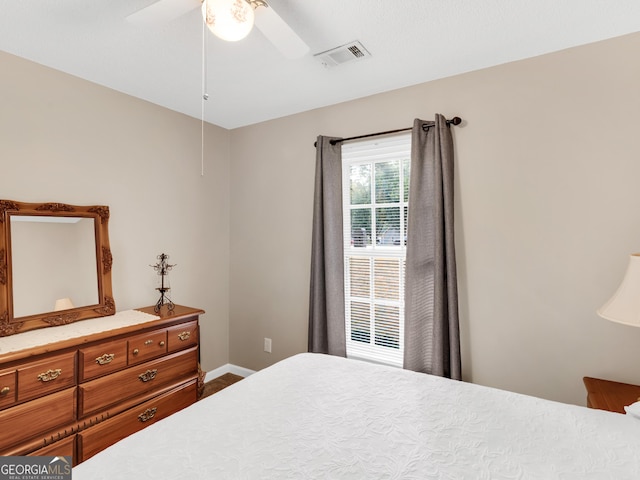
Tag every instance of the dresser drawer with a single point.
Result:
(182, 336)
(7, 388)
(102, 359)
(103, 392)
(37, 417)
(147, 346)
(51, 374)
(94, 439)
(62, 448)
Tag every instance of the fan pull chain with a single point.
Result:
(205, 97)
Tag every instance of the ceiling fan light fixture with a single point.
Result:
(230, 20)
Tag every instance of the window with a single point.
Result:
(375, 183)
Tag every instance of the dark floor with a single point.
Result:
(219, 383)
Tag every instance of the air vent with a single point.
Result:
(343, 54)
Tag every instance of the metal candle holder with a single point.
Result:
(163, 268)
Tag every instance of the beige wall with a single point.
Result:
(66, 140)
(547, 214)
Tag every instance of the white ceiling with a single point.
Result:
(411, 41)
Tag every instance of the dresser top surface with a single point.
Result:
(53, 338)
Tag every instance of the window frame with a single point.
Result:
(372, 151)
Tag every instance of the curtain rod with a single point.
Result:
(454, 121)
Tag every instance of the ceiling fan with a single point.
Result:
(237, 14)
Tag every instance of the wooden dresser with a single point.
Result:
(78, 396)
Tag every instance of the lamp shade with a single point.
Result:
(624, 306)
(63, 304)
(230, 20)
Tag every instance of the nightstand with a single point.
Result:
(608, 395)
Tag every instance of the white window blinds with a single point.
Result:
(375, 183)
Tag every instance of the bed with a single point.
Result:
(315, 416)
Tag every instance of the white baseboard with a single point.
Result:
(228, 368)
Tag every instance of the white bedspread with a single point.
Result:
(320, 417)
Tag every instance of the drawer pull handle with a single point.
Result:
(135, 351)
(161, 343)
(49, 375)
(148, 414)
(106, 358)
(184, 336)
(148, 342)
(5, 390)
(148, 375)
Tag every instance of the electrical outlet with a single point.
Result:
(267, 345)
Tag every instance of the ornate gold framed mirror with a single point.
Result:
(55, 265)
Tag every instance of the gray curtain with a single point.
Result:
(432, 334)
(326, 299)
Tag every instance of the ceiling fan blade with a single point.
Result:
(162, 11)
(279, 33)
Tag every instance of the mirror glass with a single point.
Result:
(53, 261)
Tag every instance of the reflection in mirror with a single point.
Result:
(53, 258)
